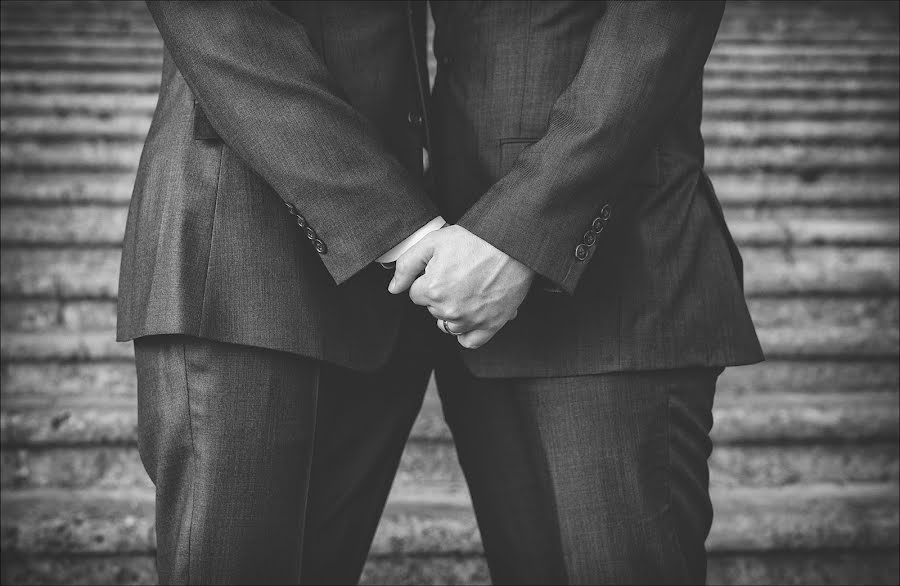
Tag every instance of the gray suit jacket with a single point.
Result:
(313, 104)
(567, 134)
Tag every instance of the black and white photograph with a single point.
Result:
(450, 292)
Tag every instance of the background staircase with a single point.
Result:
(801, 124)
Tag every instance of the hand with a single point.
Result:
(463, 279)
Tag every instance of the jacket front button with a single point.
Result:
(605, 212)
(320, 246)
(310, 233)
(581, 252)
(414, 118)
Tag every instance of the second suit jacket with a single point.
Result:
(567, 134)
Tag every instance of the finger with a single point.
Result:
(456, 329)
(411, 264)
(475, 338)
(447, 312)
(418, 292)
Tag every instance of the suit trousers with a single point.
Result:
(273, 468)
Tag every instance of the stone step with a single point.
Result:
(109, 155)
(822, 313)
(65, 385)
(787, 189)
(745, 29)
(794, 52)
(65, 224)
(739, 188)
(807, 271)
(59, 273)
(842, 567)
(25, 315)
(105, 225)
(56, 126)
(768, 419)
(18, 126)
(740, 17)
(717, 132)
(827, 567)
(878, 341)
(801, 232)
(435, 463)
(61, 36)
(110, 103)
(91, 273)
(802, 158)
(72, 80)
(872, 53)
(722, 85)
(775, 376)
(36, 385)
(792, 108)
(765, 87)
(785, 24)
(66, 187)
(87, 155)
(741, 62)
(803, 517)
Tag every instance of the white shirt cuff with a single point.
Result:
(395, 253)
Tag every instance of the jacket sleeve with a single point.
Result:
(641, 59)
(269, 96)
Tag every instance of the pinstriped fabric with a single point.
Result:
(567, 134)
(564, 133)
(263, 104)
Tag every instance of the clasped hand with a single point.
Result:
(464, 280)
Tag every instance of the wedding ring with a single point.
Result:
(446, 328)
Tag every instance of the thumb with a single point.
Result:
(411, 265)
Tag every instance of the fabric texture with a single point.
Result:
(274, 468)
(566, 134)
(598, 479)
(318, 105)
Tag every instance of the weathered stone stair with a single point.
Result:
(801, 123)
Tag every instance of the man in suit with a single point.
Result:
(278, 377)
(567, 154)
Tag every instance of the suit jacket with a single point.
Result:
(567, 134)
(314, 105)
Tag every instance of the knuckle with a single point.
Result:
(432, 290)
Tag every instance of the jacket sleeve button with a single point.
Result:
(597, 225)
(605, 212)
(310, 233)
(320, 246)
(301, 222)
(581, 252)
(590, 237)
